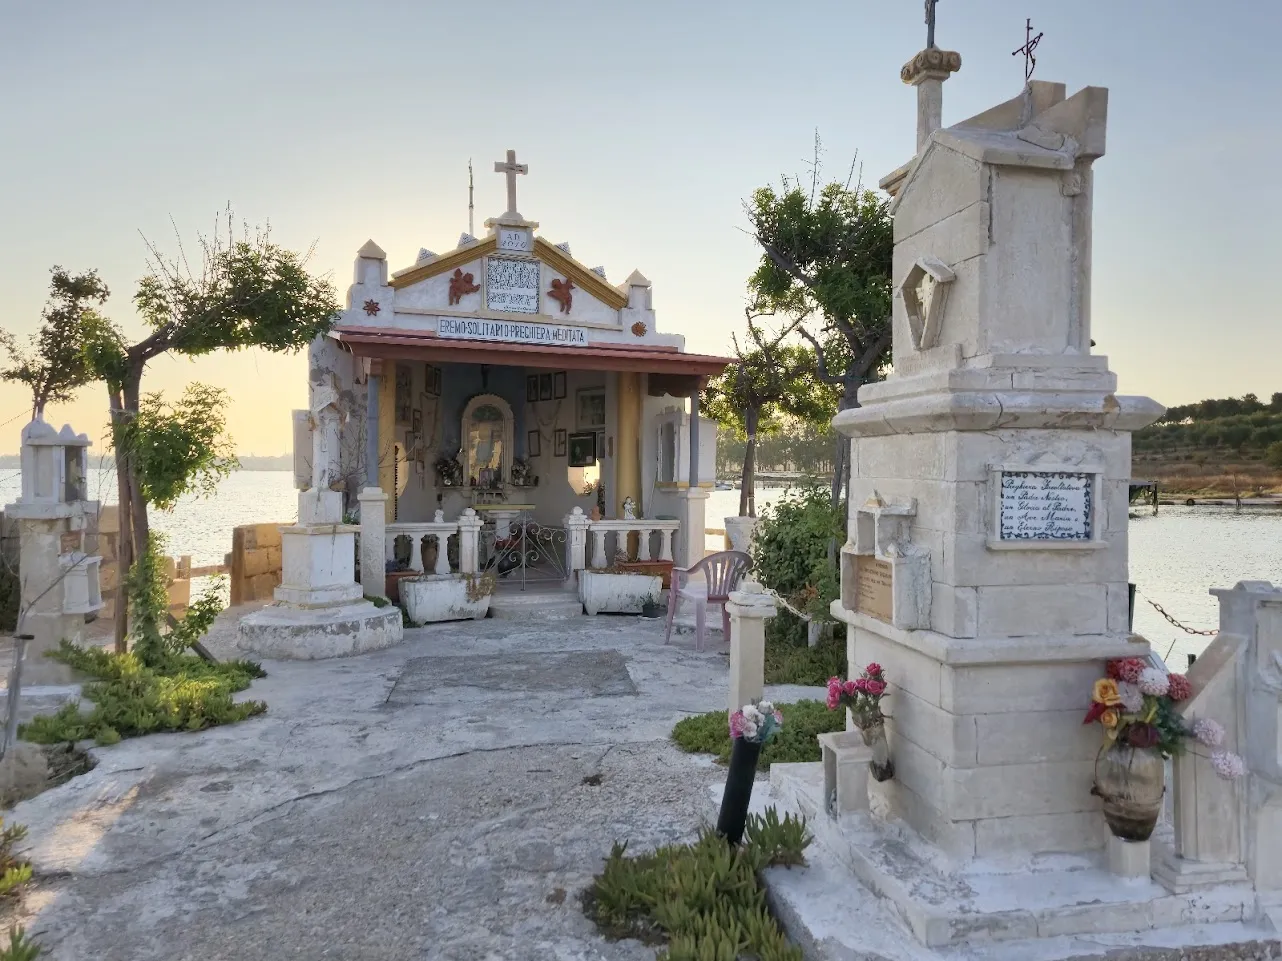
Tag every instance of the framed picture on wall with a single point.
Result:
(589, 408)
(582, 448)
(532, 389)
(533, 446)
(545, 386)
(558, 443)
(404, 392)
(558, 385)
(417, 427)
(436, 382)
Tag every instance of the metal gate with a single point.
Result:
(529, 553)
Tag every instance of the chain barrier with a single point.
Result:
(1174, 623)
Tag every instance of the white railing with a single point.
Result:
(651, 534)
(467, 527)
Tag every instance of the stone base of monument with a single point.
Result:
(285, 632)
(867, 874)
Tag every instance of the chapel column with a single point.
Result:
(627, 462)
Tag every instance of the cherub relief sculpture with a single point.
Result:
(461, 284)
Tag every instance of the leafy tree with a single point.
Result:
(826, 254)
(771, 378)
(180, 448)
(54, 365)
(1274, 455)
(246, 292)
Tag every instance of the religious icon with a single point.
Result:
(558, 443)
(461, 284)
(590, 408)
(582, 449)
(545, 386)
(558, 385)
(532, 389)
(532, 444)
(562, 293)
(431, 380)
(417, 427)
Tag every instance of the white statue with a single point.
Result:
(325, 435)
(629, 509)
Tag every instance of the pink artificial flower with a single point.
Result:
(1210, 732)
(736, 724)
(851, 688)
(834, 699)
(861, 685)
(874, 669)
(834, 684)
(1179, 688)
(1228, 765)
(876, 688)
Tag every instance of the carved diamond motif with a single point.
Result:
(925, 294)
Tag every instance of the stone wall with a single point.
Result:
(255, 562)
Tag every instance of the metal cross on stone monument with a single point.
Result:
(1030, 44)
(930, 23)
(511, 168)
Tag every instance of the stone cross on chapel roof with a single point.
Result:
(511, 168)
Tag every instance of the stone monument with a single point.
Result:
(320, 610)
(59, 579)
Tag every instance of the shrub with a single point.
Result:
(790, 555)
(14, 871)
(789, 663)
(131, 699)
(20, 947)
(705, 899)
(802, 722)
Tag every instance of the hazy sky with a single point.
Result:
(644, 125)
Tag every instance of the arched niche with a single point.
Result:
(487, 431)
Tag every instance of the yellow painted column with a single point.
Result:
(627, 448)
(387, 435)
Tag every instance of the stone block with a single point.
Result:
(1129, 859)
(1015, 837)
(953, 609)
(259, 562)
(945, 185)
(846, 775)
(968, 561)
(901, 456)
(180, 592)
(895, 799)
(1027, 737)
(1023, 688)
(267, 535)
(905, 668)
(950, 738)
(1042, 609)
(918, 769)
(262, 587)
(1011, 790)
(109, 519)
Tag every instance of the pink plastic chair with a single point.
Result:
(722, 573)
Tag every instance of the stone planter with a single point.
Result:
(430, 598)
(662, 568)
(739, 533)
(1130, 781)
(392, 582)
(617, 593)
(846, 761)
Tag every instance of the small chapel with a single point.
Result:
(506, 384)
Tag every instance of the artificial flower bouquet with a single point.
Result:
(862, 695)
(757, 722)
(1136, 706)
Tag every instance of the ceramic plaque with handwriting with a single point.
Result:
(1046, 506)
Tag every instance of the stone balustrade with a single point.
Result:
(1231, 831)
(582, 529)
(467, 527)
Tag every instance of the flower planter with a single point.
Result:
(1131, 782)
(392, 584)
(430, 598)
(662, 568)
(847, 760)
(738, 794)
(617, 593)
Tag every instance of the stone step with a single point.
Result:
(535, 606)
(944, 910)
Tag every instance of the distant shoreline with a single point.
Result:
(248, 462)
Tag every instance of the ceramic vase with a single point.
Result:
(1130, 781)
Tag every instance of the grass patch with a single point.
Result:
(181, 693)
(704, 899)
(803, 721)
(789, 663)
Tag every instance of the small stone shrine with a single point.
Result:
(59, 578)
(986, 572)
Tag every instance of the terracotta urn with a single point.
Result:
(1131, 782)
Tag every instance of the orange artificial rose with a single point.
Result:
(1109, 718)
(1106, 692)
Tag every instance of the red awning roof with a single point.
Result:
(392, 343)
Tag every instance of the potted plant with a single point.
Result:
(650, 607)
(862, 697)
(751, 727)
(1136, 704)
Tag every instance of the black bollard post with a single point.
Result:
(738, 794)
(1130, 609)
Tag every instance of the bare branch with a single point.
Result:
(820, 366)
